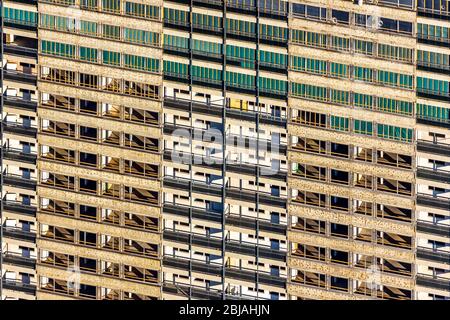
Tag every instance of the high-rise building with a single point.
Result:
(225, 149)
(433, 150)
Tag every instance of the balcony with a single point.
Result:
(20, 103)
(20, 49)
(20, 77)
(433, 94)
(18, 181)
(433, 174)
(230, 271)
(18, 155)
(20, 24)
(230, 192)
(433, 282)
(442, 123)
(17, 259)
(441, 13)
(19, 128)
(205, 293)
(433, 148)
(433, 228)
(19, 234)
(19, 207)
(218, 110)
(437, 202)
(230, 245)
(435, 255)
(16, 285)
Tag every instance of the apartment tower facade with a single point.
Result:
(235, 149)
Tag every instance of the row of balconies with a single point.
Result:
(349, 286)
(101, 136)
(231, 246)
(231, 139)
(99, 241)
(433, 282)
(241, 168)
(274, 118)
(101, 110)
(99, 162)
(336, 230)
(230, 219)
(335, 203)
(99, 188)
(20, 77)
(100, 83)
(104, 216)
(217, 190)
(230, 272)
(345, 151)
(350, 179)
(353, 261)
(433, 228)
(103, 268)
(84, 291)
(15, 180)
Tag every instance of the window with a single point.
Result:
(433, 112)
(308, 65)
(309, 12)
(141, 63)
(274, 33)
(20, 16)
(340, 44)
(240, 80)
(272, 59)
(362, 127)
(272, 85)
(338, 70)
(111, 58)
(111, 32)
(339, 123)
(88, 54)
(394, 79)
(89, 28)
(246, 56)
(363, 100)
(394, 133)
(175, 68)
(438, 87)
(206, 74)
(398, 53)
(58, 49)
(112, 6)
(140, 36)
(89, 4)
(340, 97)
(437, 33)
(394, 106)
(364, 47)
(309, 91)
(175, 16)
(142, 10)
(309, 38)
(363, 74)
(240, 27)
(207, 22)
(175, 42)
